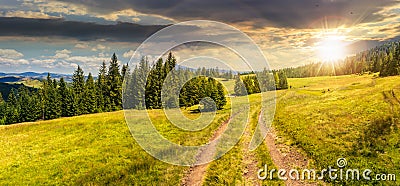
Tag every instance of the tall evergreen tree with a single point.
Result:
(24, 98)
(124, 71)
(220, 99)
(52, 102)
(78, 88)
(154, 83)
(114, 84)
(12, 111)
(101, 86)
(3, 109)
(283, 84)
(90, 95)
(68, 107)
(240, 88)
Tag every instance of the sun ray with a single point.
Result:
(331, 48)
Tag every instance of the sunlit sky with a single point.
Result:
(58, 35)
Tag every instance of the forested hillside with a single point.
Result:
(6, 88)
(384, 59)
(86, 95)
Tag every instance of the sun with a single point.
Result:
(331, 48)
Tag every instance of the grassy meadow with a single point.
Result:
(354, 117)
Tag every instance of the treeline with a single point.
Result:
(59, 99)
(193, 92)
(86, 95)
(167, 86)
(257, 82)
(384, 59)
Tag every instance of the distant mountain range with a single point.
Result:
(16, 77)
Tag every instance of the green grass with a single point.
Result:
(228, 84)
(30, 83)
(91, 149)
(355, 117)
(346, 116)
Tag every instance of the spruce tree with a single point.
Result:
(68, 107)
(221, 99)
(124, 71)
(240, 88)
(283, 84)
(90, 95)
(114, 84)
(52, 102)
(154, 83)
(25, 104)
(78, 88)
(277, 80)
(12, 111)
(3, 110)
(101, 86)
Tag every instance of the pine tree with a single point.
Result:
(171, 90)
(277, 80)
(63, 91)
(78, 88)
(283, 84)
(25, 104)
(139, 88)
(114, 84)
(3, 109)
(154, 84)
(52, 107)
(170, 64)
(90, 95)
(221, 99)
(101, 86)
(12, 111)
(124, 71)
(67, 100)
(129, 93)
(35, 106)
(240, 88)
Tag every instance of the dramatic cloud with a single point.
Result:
(61, 34)
(29, 14)
(73, 29)
(283, 13)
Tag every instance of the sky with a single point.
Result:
(58, 35)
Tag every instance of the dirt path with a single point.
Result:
(285, 157)
(196, 173)
(249, 161)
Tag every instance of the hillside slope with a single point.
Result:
(91, 149)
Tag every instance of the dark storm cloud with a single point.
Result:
(283, 13)
(80, 30)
